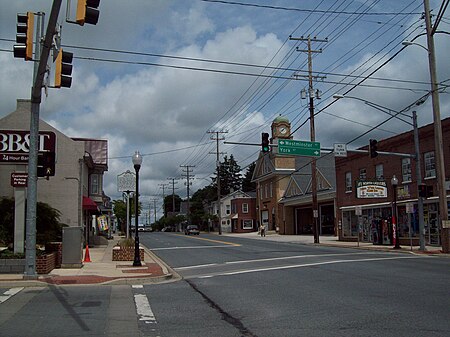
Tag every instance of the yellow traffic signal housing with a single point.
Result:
(63, 69)
(87, 12)
(24, 36)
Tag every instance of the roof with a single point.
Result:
(280, 119)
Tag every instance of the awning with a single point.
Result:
(89, 204)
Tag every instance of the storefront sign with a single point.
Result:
(371, 189)
(19, 179)
(15, 145)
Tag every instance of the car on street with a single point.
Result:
(191, 229)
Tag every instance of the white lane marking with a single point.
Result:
(137, 286)
(143, 309)
(197, 266)
(9, 293)
(307, 265)
(295, 257)
(190, 247)
(270, 259)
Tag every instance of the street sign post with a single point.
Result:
(299, 148)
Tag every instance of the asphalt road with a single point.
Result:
(243, 287)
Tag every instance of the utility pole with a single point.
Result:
(312, 94)
(438, 143)
(36, 97)
(217, 138)
(187, 170)
(154, 208)
(164, 196)
(173, 194)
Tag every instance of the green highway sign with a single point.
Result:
(299, 147)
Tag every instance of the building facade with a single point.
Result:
(371, 210)
(284, 195)
(76, 189)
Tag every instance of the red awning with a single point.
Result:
(89, 204)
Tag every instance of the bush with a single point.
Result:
(126, 242)
(48, 227)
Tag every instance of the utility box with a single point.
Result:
(72, 247)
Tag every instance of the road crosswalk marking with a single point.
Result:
(9, 293)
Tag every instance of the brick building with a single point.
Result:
(376, 209)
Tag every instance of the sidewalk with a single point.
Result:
(332, 241)
(101, 270)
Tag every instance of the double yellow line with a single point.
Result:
(216, 241)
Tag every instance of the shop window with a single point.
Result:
(247, 224)
(348, 182)
(430, 168)
(406, 170)
(362, 174)
(379, 172)
(244, 208)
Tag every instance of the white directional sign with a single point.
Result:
(340, 150)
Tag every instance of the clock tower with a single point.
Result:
(281, 128)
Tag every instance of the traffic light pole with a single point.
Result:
(36, 96)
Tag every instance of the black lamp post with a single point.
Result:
(137, 161)
(394, 182)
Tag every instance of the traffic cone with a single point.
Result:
(87, 258)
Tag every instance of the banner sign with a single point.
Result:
(15, 145)
(371, 189)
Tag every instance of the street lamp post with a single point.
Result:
(438, 141)
(137, 161)
(394, 182)
(395, 114)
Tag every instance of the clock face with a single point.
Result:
(283, 130)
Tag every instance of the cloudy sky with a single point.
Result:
(158, 75)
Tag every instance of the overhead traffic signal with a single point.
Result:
(87, 12)
(373, 148)
(63, 69)
(265, 142)
(24, 36)
(425, 191)
(46, 164)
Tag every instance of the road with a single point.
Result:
(232, 286)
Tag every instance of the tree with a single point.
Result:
(120, 210)
(247, 184)
(230, 176)
(168, 204)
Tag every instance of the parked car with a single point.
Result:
(191, 229)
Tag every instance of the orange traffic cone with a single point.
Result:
(87, 258)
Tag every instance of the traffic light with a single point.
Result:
(373, 148)
(63, 69)
(422, 190)
(24, 36)
(265, 142)
(46, 164)
(87, 12)
(425, 191)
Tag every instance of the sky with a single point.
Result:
(158, 76)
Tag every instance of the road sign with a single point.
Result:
(126, 182)
(340, 150)
(299, 147)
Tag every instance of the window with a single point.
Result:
(265, 190)
(379, 171)
(233, 208)
(362, 174)
(271, 190)
(430, 168)
(348, 182)
(95, 184)
(406, 169)
(228, 209)
(247, 224)
(245, 208)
